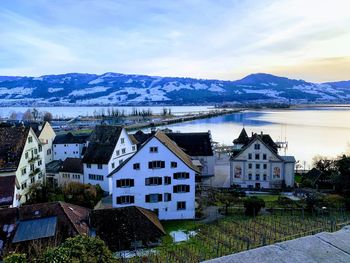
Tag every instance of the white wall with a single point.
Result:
(47, 136)
(272, 162)
(113, 163)
(71, 150)
(65, 177)
(167, 210)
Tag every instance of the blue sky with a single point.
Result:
(219, 39)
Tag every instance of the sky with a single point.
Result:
(210, 39)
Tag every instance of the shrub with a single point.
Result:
(16, 258)
(253, 205)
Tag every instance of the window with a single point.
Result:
(32, 167)
(265, 166)
(35, 151)
(66, 175)
(99, 166)
(153, 181)
(257, 156)
(120, 161)
(136, 166)
(48, 152)
(118, 152)
(264, 156)
(96, 177)
(167, 180)
(250, 176)
(88, 165)
(122, 140)
(257, 166)
(173, 164)
(65, 152)
(125, 199)
(249, 156)
(264, 177)
(167, 197)
(40, 148)
(24, 171)
(26, 155)
(153, 198)
(257, 146)
(257, 177)
(125, 183)
(113, 165)
(156, 164)
(133, 147)
(23, 186)
(181, 205)
(181, 175)
(76, 176)
(181, 188)
(123, 151)
(32, 180)
(153, 149)
(40, 162)
(250, 166)
(30, 139)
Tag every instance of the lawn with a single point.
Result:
(267, 198)
(184, 225)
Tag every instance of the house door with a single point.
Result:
(257, 185)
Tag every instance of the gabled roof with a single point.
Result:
(243, 138)
(12, 142)
(102, 143)
(121, 227)
(7, 190)
(167, 142)
(72, 165)
(193, 143)
(70, 138)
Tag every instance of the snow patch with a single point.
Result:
(16, 91)
(52, 90)
(86, 91)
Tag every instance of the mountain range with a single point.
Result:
(123, 89)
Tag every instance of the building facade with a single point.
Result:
(71, 171)
(107, 148)
(69, 146)
(21, 154)
(159, 177)
(46, 136)
(255, 163)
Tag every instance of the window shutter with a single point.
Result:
(132, 199)
(176, 175)
(147, 181)
(187, 188)
(169, 197)
(160, 196)
(187, 175)
(162, 164)
(150, 166)
(118, 200)
(147, 199)
(118, 183)
(160, 181)
(132, 182)
(174, 189)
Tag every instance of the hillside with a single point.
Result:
(122, 89)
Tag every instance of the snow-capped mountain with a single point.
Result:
(121, 89)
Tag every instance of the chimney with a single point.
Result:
(153, 130)
(261, 133)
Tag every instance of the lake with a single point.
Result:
(309, 132)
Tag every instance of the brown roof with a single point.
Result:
(7, 190)
(175, 149)
(72, 165)
(133, 139)
(102, 143)
(121, 227)
(12, 142)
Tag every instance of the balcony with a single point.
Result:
(33, 173)
(33, 159)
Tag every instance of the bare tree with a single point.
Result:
(47, 116)
(13, 115)
(28, 116)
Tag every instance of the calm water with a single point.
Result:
(324, 131)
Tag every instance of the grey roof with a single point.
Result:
(320, 248)
(72, 165)
(288, 159)
(53, 166)
(70, 138)
(35, 229)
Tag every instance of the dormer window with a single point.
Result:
(257, 146)
(153, 149)
(122, 140)
(30, 139)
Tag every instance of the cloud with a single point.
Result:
(206, 39)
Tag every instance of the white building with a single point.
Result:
(46, 135)
(107, 147)
(255, 163)
(69, 146)
(21, 155)
(71, 171)
(159, 177)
